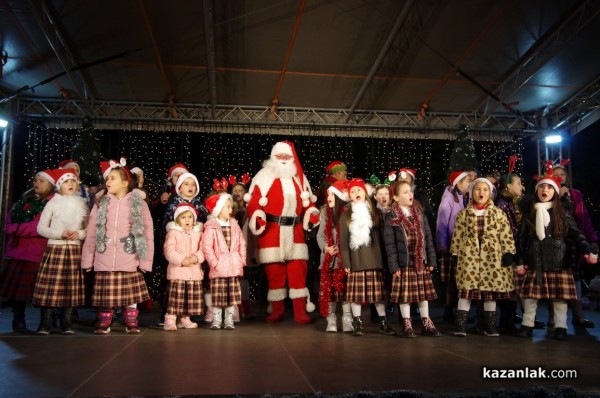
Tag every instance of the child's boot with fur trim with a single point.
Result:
(186, 323)
(170, 322)
(104, 320)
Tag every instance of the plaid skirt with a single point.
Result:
(412, 286)
(119, 289)
(225, 292)
(555, 285)
(448, 264)
(59, 280)
(185, 298)
(365, 287)
(483, 295)
(17, 279)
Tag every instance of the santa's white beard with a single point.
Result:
(286, 169)
(360, 225)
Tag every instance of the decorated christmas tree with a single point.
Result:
(86, 152)
(463, 155)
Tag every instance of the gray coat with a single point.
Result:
(365, 257)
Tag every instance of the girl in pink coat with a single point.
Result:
(119, 244)
(224, 249)
(182, 250)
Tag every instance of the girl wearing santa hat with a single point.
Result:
(224, 249)
(360, 244)
(333, 277)
(24, 247)
(59, 282)
(484, 244)
(411, 258)
(182, 250)
(545, 227)
(451, 203)
(119, 244)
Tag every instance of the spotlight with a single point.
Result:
(553, 139)
(3, 123)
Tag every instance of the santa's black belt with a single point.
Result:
(282, 220)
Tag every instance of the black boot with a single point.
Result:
(45, 321)
(18, 323)
(560, 334)
(489, 329)
(384, 327)
(460, 322)
(66, 321)
(526, 331)
(357, 324)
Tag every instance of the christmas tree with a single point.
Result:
(463, 155)
(86, 152)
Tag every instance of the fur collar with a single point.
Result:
(172, 225)
(360, 225)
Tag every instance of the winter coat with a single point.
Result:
(446, 218)
(549, 254)
(63, 213)
(480, 259)
(224, 262)
(365, 257)
(178, 245)
(581, 216)
(396, 244)
(118, 227)
(22, 239)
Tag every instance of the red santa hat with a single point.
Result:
(62, 175)
(287, 148)
(357, 182)
(182, 208)
(215, 203)
(456, 176)
(478, 180)
(184, 177)
(549, 179)
(335, 166)
(136, 170)
(177, 168)
(405, 172)
(107, 166)
(48, 174)
(67, 164)
(340, 189)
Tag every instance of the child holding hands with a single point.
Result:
(224, 249)
(183, 251)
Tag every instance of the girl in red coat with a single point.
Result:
(224, 249)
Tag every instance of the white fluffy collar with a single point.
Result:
(173, 225)
(360, 225)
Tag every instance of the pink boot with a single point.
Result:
(131, 320)
(104, 321)
(277, 314)
(300, 315)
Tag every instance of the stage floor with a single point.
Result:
(261, 358)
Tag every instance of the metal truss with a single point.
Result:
(580, 110)
(291, 121)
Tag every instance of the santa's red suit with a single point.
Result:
(279, 209)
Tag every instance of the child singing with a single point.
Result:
(183, 251)
(411, 258)
(224, 249)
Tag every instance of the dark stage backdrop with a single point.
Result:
(214, 155)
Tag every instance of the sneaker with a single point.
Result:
(347, 323)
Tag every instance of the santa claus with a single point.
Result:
(280, 207)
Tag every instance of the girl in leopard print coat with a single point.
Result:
(484, 244)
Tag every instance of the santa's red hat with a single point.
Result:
(404, 172)
(62, 175)
(67, 164)
(182, 208)
(335, 166)
(177, 168)
(456, 176)
(48, 174)
(357, 182)
(549, 179)
(215, 203)
(184, 177)
(340, 189)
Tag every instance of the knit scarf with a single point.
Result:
(360, 225)
(327, 282)
(542, 218)
(412, 225)
(135, 242)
